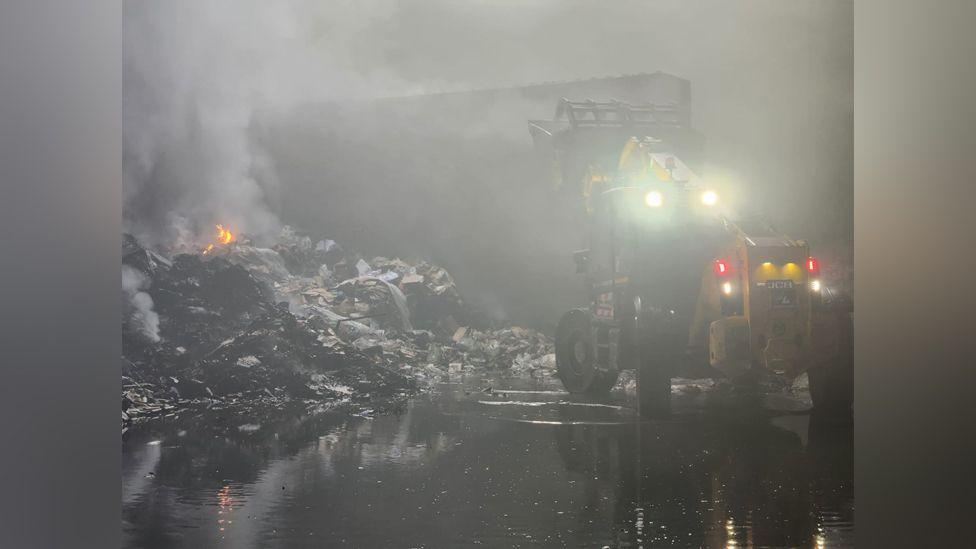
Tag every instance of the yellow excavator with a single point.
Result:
(675, 285)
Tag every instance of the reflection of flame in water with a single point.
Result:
(226, 502)
(224, 236)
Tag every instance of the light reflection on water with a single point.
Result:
(463, 467)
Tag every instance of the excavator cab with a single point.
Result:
(675, 286)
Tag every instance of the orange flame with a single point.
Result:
(224, 236)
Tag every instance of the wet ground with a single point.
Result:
(524, 465)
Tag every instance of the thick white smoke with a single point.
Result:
(208, 84)
(195, 75)
(140, 313)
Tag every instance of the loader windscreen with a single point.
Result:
(663, 253)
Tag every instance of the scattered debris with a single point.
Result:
(244, 326)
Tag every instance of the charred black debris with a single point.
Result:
(250, 329)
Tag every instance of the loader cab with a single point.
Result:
(649, 254)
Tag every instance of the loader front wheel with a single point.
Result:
(576, 355)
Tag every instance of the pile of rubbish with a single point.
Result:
(263, 326)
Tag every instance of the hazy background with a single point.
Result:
(259, 114)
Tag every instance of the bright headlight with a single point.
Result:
(709, 198)
(654, 199)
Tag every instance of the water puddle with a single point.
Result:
(524, 464)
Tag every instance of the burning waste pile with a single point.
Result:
(239, 326)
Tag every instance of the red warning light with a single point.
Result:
(721, 267)
(812, 265)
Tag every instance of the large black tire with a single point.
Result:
(832, 379)
(576, 356)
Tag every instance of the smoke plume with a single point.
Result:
(140, 314)
(253, 114)
(195, 74)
